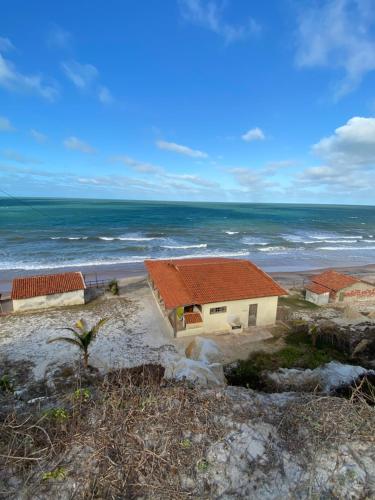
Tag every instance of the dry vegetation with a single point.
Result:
(133, 438)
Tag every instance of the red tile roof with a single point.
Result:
(318, 289)
(36, 286)
(209, 280)
(193, 317)
(334, 281)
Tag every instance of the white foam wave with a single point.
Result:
(273, 249)
(126, 238)
(325, 238)
(346, 248)
(183, 247)
(231, 232)
(64, 265)
(69, 237)
(253, 240)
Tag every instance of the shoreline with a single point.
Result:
(289, 279)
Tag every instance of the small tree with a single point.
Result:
(83, 336)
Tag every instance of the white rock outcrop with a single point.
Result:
(325, 378)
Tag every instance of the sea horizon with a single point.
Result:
(58, 233)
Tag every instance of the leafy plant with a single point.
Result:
(185, 443)
(113, 287)
(82, 394)
(59, 474)
(82, 337)
(5, 384)
(58, 414)
(202, 465)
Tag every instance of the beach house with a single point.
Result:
(209, 295)
(331, 286)
(51, 290)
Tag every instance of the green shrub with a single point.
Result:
(113, 287)
(59, 474)
(5, 384)
(58, 414)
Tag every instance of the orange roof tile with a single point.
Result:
(315, 288)
(193, 317)
(333, 280)
(209, 280)
(36, 286)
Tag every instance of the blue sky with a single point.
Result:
(217, 100)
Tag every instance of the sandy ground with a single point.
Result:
(134, 334)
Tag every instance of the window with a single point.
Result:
(218, 310)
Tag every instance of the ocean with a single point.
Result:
(46, 234)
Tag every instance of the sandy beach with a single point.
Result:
(289, 279)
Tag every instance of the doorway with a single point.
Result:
(253, 311)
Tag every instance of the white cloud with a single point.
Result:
(14, 81)
(5, 125)
(104, 95)
(76, 144)
(349, 159)
(254, 134)
(58, 37)
(252, 180)
(85, 77)
(351, 145)
(38, 136)
(136, 165)
(193, 179)
(12, 155)
(209, 15)
(338, 34)
(183, 150)
(82, 75)
(6, 45)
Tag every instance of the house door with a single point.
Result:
(253, 310)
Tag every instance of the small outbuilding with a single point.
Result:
(51, 290)
(209, 295)
(331, 286)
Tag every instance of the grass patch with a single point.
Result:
(296, 302)
(298, 353)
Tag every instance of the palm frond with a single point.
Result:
(75, 333)
(66, 339)
(98, 325)
(81, 325)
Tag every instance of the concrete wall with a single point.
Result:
(356, 292)
(239, 310)
(54, 300)
(320, 299)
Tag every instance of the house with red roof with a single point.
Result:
(209, 295)
(51, 290)
(331, 286)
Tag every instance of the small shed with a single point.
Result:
(331, 286)
(51, 290)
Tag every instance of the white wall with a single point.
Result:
(357, 292)
(320, 299)
(54, 300)
(266, 315)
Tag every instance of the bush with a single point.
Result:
(113, 287)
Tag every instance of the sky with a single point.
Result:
(191, 100)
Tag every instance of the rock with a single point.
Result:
(204, 350)
(327, 377)
(195, 371)
(353, 314)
